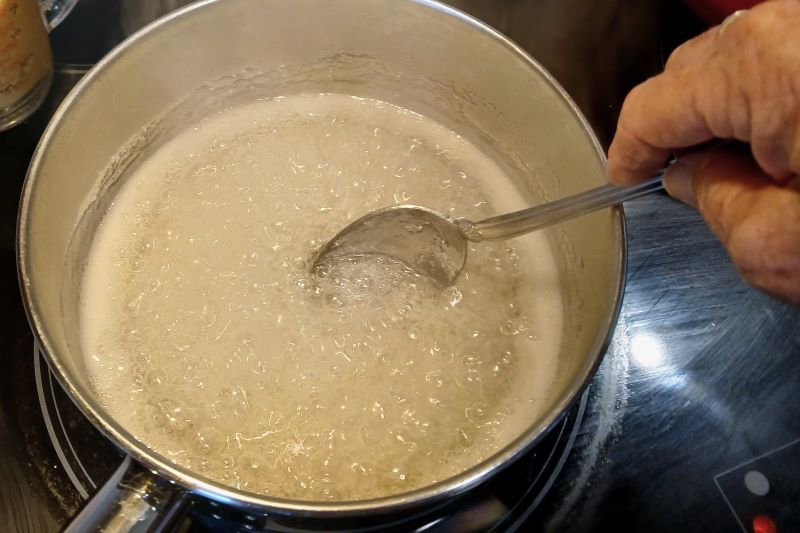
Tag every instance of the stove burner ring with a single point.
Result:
(46, 392)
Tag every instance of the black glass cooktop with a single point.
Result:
(691, 424)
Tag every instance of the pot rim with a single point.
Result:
(218, 492)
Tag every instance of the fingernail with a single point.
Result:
(678, 182)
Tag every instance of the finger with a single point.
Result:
(657, 116)
(739, 83)
(757, 220)
(697, 49)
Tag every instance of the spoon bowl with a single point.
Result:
(435, 245)
(425, 240)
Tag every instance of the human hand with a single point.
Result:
(739, 81)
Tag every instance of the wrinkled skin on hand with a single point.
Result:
(739, 82)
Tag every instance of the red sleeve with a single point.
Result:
(714, 11)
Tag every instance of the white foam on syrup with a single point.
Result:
(207, 338)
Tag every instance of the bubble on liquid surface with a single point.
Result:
(210, 341)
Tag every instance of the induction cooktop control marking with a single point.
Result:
(754, 459)
(756, 482)
(50, 430)
(764, 524)
(736, 516)
(744, 488)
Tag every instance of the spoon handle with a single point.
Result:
(534, 218)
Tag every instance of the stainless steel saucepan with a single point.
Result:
(212, 54)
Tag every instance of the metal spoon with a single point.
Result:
(436, 246)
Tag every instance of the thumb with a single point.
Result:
(756, 219)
